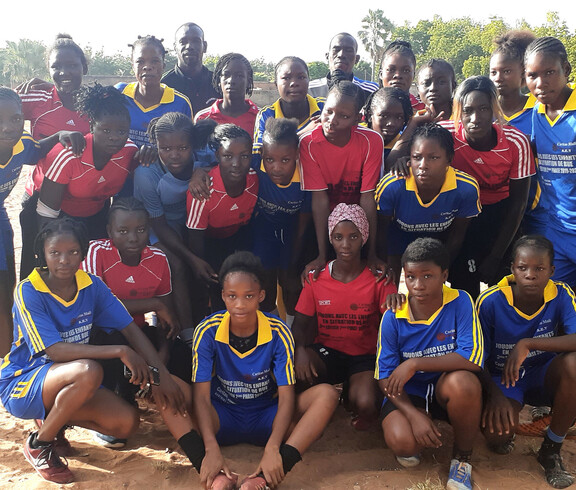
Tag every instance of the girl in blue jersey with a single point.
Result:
(17, 148)
(553, 130)
(529, 324)
(281, 214)
(51, 372)
(429, 352)
(434, 199)
(243, 375)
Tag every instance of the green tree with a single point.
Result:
(101, 64)
(376, 31)
(23, 60)
(317, 69)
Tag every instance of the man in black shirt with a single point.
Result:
(190, 77)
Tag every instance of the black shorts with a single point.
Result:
(340, 366)
(431, 406)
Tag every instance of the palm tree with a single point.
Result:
(24, 60)
(376, 31)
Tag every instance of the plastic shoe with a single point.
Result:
(556, 474)
(460, 476)
(408, 461)
(61, 444)
(109, 441)
(47, 463)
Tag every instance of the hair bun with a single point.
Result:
(62, 35)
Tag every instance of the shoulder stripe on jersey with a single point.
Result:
(477, 355)
(59, 163)
(195, 213)
(29, 325)
(522, 143)
(289, 368)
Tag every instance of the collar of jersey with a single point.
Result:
(448, 295)
(264, 333)
(295, 176)
(312, 106)
(17, 148)
(393, 142)
(167, 96)
(448, 185)
(82, 281)
(505, 285)
(570, 105)
(530, 103)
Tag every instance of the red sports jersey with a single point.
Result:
(510, 159)
(150, 278)
(221, 215)
(348, 314)
(246, 121)
(88, 188)
(345, 172)
(47, 116)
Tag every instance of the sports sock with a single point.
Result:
(36, 443)
(193, 445)
(290, 456)
(549, 446)
(462, 456)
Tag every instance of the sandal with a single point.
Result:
(556, 474)
(505, 447)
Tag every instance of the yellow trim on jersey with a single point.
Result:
(393, 142)
(312, 106)
(18, 147)
(295, 175)
(569, 106)
(448, 185)
(168, 96)
(82, 281)
(264, 333)
(448, 295)
(530, 103)
(505, 285)
(385, 182)
(29, 325)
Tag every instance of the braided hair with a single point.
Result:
(289, 59)
(173, 122)
(149, 40)
(99, 100)
(383, 95)
(345, 87)
(435, 132)
(9, 94)
(60, 226)
(127, 204)
(221, 66)
(551, 46)
(227, 132)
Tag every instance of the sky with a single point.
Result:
(255, 28)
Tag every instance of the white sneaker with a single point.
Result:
(108, 441)
(408, 461)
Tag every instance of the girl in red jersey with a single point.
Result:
(397, 69)
(218, 225)
(233, 81)
(81, 187)
(50, 108)
(346, 305)
(500, 159)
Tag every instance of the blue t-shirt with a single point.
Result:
(555, 143)
(172, 101)
(42, 319)
(504, 325)
(162, 194)
(249, 379)
(25, 152)
(453, 328)
(398, 197)
(280, 205)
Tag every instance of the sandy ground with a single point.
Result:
(342, 459)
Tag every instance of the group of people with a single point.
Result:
(177, 195)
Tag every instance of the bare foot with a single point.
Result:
(222, 482)
(256, 483)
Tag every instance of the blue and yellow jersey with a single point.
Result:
(280, 205)
(25, 152)
(42, 319)
(504, 325)
(555, 143)
(522, 120)
(398, 197)
(315, 106)
(245, 379)
(140, 117)
(453, 328)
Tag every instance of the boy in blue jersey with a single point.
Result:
(529, 324)
(243, 375)
(433, 200)
(429, 350)
(282, 213)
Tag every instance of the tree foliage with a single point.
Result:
(376, 31)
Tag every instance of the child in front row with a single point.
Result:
(281, 214)
(529, 324)
(243, 374)
(429, 352)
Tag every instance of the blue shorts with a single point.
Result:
(22, 395)
(530, 387)
(6, 242)
(271, 244)
(564, 254)
(422, 395)
(244, 424)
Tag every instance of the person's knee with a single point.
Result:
(88, 374)
(462, 386)
(401, 442)
(568, 368)
(364, 402)
(125, 422)
(326, 394)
